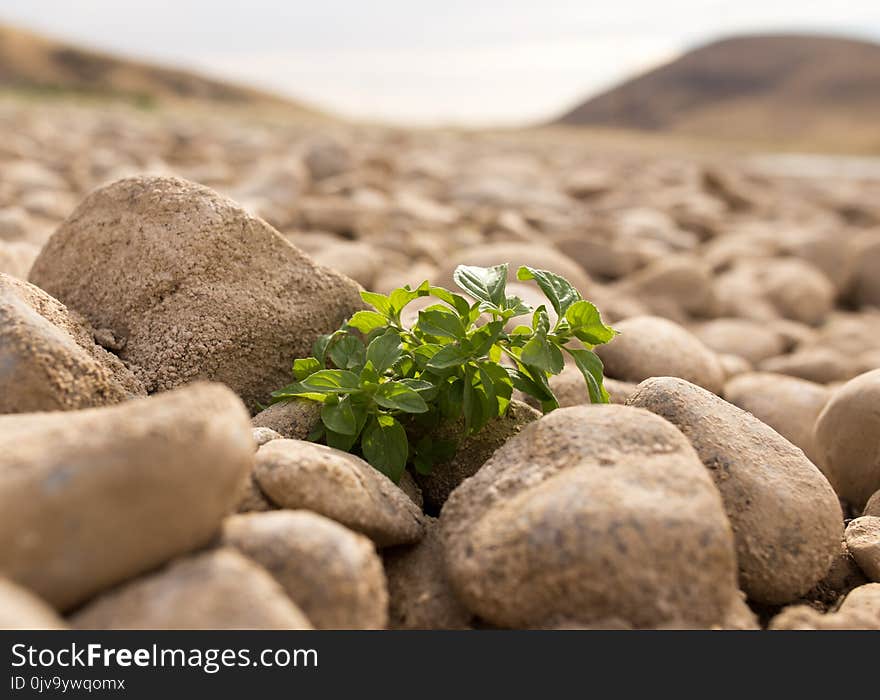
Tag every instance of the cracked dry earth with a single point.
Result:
(162, 269)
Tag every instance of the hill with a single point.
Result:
(785, 89)
(30, 62)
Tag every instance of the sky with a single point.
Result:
(464, 62)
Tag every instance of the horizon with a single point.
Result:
(400, 67)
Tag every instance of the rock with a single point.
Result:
(263, 435)
(22, 610)
(517, 254)
(786, 518)
(803, 617)
(843, 575)
(750, 340)
(820, 365)
(788, 405)
(326, 157)
(297, 474)
(333, 574)
(865, 285)
(472, 452)
(291, 419)
(91, 498)
(863, 542)
(586, 183)
(598, 257)
(14, 223)
(682, 283)
(561, 527)
(420, 595)
(872, 507)
(408, 485)
(251, 499)
(734, 365)
(355, 259)
(846, 438)
(834, 257)
(649, 346)
(48, 358)
(16, 258)
(859, 610)
(863, 600)
(193, 285)
(798, 290)
(217, 590)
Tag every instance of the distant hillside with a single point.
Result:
(30, 62)
(783, 88)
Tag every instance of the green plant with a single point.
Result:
(377, 378)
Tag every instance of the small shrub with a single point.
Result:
(377, 378)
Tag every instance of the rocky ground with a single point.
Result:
(733, 483)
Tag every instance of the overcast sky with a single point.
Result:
(462, 61)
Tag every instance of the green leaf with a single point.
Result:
(450, 399)
(384, 351)
(380, 302)
(347, 353)
(440, 322)
(591, 367)
(450, 356)
(340, 417)
(483, 283)
(297, 391)
(319, 349)
(302, 368)
(398, 396)
(541, 353)
(470, 405)
(557, 289)
(427, 390)
(586, 323)
(332, 381)
(484, 338)
(514, 306)
(541, 320)
(338, 441)
(400, 297)
(367, 321)
(488, 385)
(456, 301)
(385, 446)
(369, 373)
(429, 452)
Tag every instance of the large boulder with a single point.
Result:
(786, 518)
(332, 573)
(846, 436)
(592, 513)
(649, 346)
(216, 590)
(91, 498)
(48, 358)
(191, 286)
(297, 474)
